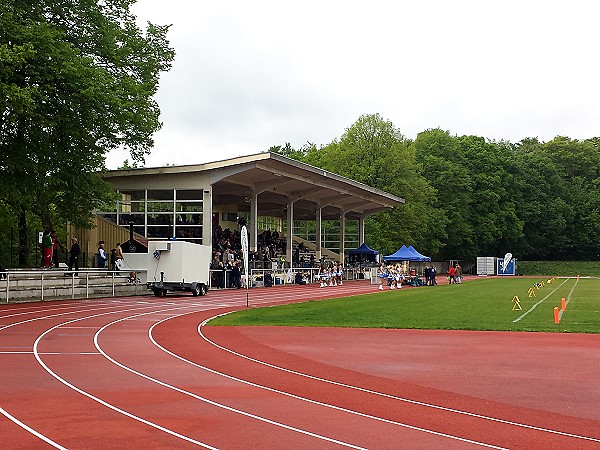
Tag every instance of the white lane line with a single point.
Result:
(540, 302)
(568, 299)
(31, 430)
(48, 317)
(308, 400)
(414, 402)
(208, 401)
(99, 400)
(48, 353)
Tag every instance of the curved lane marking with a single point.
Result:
(98, 400)
(402, 399)
(31, 430)
(327, 405)
(204, 399)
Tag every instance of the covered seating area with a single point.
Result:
(267, 191)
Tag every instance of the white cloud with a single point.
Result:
(249, 75)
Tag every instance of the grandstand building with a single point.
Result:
(266, 191)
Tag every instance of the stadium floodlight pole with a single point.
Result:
(244, 239)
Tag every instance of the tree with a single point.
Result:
(541, 205)
(579, 164)
(77, 80)
(444, 166)
(374, 152)
(496, 225)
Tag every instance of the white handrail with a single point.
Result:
(112, 279)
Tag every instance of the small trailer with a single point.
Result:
(178, 266)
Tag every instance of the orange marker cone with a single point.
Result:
(563, 304)
(556, 318)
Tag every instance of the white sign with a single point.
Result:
(244, 239)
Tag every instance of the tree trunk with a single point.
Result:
(23, 241)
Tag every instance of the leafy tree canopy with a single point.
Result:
(77, 80)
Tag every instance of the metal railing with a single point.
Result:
(222, 278)
(48, 282)
(45, 284)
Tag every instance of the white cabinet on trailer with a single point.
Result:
(178, 266)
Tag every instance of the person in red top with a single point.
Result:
(452, 274)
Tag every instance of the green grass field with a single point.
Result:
(563, 268)
(482, 304)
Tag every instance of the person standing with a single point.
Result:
(427, 274)
(381, 275)
(46, 250)
(113, 259)
(55, 244)
(216, 270)
(458, 273)
(74, 256)
(101, 256)
(120, 259)
(452, 275)
(236, 275)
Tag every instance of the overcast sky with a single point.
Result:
(249, 75)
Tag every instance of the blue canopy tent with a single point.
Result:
(363, 253)
(406, 254)
(418, 255)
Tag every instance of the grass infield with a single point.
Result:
(482, 304)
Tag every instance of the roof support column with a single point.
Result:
(253, 238)
(361, 230)
(206, 216)
(318, 233)
(290, 232)
(342, 236)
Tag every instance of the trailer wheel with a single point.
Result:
(160, 292)
(197, 289)
(203, 289)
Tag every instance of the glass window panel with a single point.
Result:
(156, 206)
(187, 232)
(133, 195)
(160, 195)
(183, 194)
(162, 232)
(131, 206)
(139, 230)
(189, 206)
(189, 219)
(160, 219)
(136, 218)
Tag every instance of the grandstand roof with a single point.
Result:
(276, 180)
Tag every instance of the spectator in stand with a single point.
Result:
(216, 267)
(299, 279)
(268, 279)
(236, 275)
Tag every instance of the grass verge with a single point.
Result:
(484, 304)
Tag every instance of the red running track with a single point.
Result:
(142, 372)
